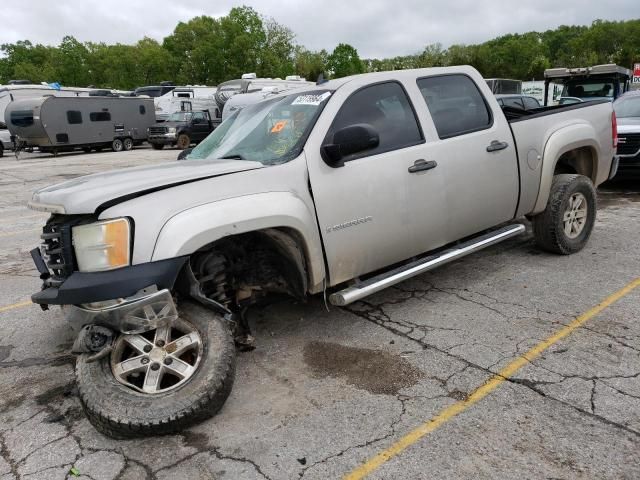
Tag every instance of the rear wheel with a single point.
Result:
(117, 145)
(161, 381)
(1, 151)
(183, 141)
(566, 224)
(127, 144)
(157, 146)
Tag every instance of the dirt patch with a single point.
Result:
(55, 394)
(375, 371)
(199, 441)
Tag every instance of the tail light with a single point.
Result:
(614, 130)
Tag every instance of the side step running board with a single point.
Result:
(399, 274)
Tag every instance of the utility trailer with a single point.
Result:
(55, 124)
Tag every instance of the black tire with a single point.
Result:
(184, 141)
(127, 144)
(121, 412)
(183, 154)
(548, 226)
(117, 145)
(1, 151)
(157, 146)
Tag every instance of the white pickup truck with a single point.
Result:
(347, 187)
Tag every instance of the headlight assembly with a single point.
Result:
(102, 245)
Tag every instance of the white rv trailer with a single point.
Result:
(9, 93)
(55, 124)
(184, 99)
(260, 88)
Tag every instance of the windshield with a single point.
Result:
(589, 88)
(179, 117)
(270, 132)
(627, 107)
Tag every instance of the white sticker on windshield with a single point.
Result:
(311, 99)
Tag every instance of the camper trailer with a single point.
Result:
(20, 90)
(185, 99)
(55, 124)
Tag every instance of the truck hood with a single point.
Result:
(98, 191)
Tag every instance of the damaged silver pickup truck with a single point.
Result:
(345, 187)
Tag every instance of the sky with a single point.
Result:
(376, 28)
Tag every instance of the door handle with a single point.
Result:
(420, 165)
(496, 145)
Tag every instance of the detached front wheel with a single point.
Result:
(161, 381)
(566, 224)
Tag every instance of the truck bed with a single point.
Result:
(532, 130)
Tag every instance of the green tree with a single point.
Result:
(277, 55)
(344, 61)
(310, 64)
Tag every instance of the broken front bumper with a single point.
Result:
(146, 310)
(89, 287)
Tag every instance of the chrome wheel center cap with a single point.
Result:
(157, 354)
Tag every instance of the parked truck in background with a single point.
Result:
(600, 82)
(182, 129)
(345, 187)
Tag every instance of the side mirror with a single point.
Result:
(347, 141)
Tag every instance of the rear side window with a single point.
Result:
(386, 108)
(456, 105)
(22, 118)
(74, 117)
(100, 116)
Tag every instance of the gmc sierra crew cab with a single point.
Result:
(345, 187)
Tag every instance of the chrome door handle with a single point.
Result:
(496, 145)
(421, 165)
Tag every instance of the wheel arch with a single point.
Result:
(572, 149)
(281, 217)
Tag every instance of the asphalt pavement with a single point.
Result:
(432, 379)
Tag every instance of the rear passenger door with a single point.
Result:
(475, 154)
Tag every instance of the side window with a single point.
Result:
(100, 116)
(142, 109)
(198, 116)
(456, 105)
(387, 109)
(22, 118)
(74, 117)
(530, 103)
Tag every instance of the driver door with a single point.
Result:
(363, 205)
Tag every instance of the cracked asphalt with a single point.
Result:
(326, 390)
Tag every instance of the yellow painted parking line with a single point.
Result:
(17, 232)
(6, 308)
(489, 386)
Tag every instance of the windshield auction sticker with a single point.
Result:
(311, 99)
